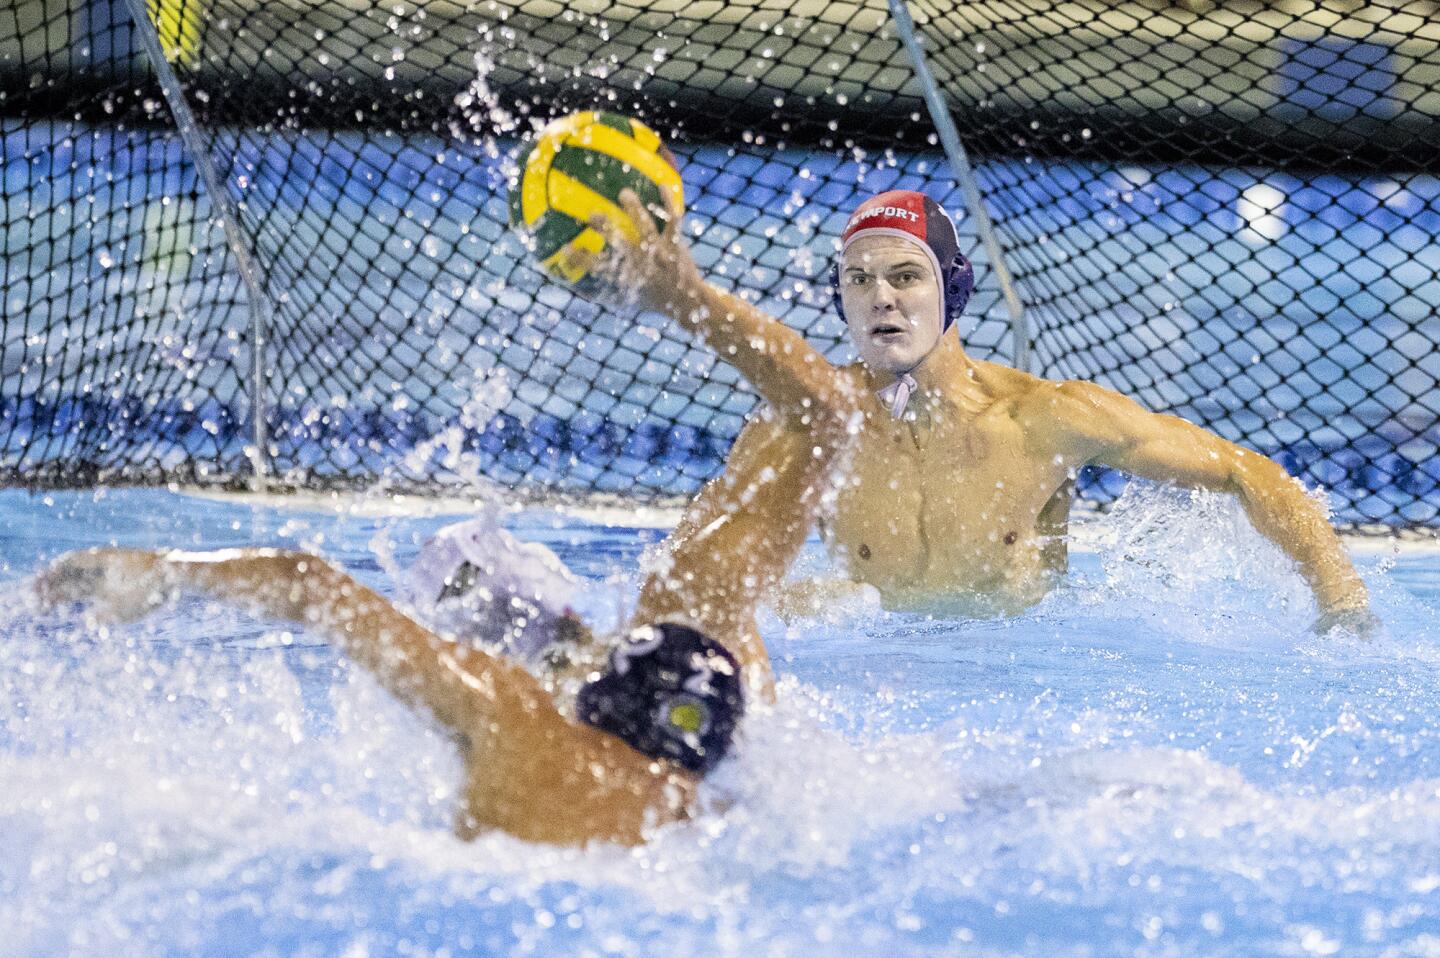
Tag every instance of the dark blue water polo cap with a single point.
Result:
(670, 692)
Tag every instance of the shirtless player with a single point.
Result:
(956, 497)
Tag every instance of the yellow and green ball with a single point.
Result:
(576, 167)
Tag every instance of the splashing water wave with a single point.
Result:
(1158, 759)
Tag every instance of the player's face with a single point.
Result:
(892, 302)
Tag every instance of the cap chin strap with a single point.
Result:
(897, 395)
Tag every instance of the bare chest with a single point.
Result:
(942, 504)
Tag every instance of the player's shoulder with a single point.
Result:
(1004, 380)
(1039, 399)
(1014, 387)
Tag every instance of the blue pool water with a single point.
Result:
(1158, 760)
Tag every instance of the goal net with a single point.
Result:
(1229, 211)
(1223, 210)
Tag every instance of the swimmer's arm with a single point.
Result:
(737, 486)
(531, 771)
(414, 664)
(738, 539)
(789, 373)
(1106, 428)
(733, 491)
(1053, 527)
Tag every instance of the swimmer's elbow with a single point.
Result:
(1252, 487)
(279, 582)
(1264, 487)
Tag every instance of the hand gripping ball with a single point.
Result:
(576, 167)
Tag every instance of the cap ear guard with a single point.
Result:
(958, 287)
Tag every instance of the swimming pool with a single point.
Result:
(1158, 760)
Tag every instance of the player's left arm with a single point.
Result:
(1105, 428)
(418, 667)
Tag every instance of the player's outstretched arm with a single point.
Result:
(784, 369)
(411, 662)
(530, 770)
(1108, 429)
(737, 539)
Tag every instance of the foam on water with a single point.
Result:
(1157, 760)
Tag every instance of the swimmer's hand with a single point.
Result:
(657, 273)
(1359, 621)
(114, 585)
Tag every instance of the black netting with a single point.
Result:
(1228, 211)
(366, 145)
(1223, 210)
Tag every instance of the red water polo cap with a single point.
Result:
(914, 216)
